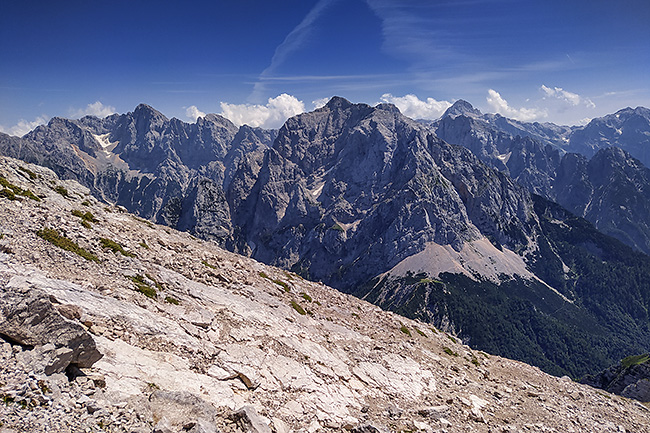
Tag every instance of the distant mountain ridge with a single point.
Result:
(599, 181)
(376, 204)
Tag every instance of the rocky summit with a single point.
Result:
(112, 323)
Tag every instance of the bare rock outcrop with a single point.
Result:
(28, 317)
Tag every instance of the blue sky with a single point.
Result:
(258, 62)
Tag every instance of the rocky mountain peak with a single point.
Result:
(392, 108)
(217, 120)
(338, 103)
(462, 108)
(147, 112)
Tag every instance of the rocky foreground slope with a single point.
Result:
(137, 328)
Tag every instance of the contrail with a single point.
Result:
(292, 42)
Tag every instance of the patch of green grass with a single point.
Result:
(7, 193)
(61, 190)
(449, 352)
(55, 238)
(27, 193)
(172, 300)
(633, 360)
(144, 245)
(155, 282)
(405, 330)
(337, 227)
(282, 284)
(115, 247)
(474, 360)
(10, 191)
(453, 340)
(298, 308)
(214, 267)
(86, 216)
(29, 173)
(85, 203)
(305, 296)
(421, 333)
(143, 287)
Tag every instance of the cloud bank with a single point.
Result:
(96, 109)
(24, 126)
(565, 96)
(269, 116)
(319, 103)
(193, 113)
(501, 106)
(413, 107)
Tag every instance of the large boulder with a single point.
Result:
(27, 317)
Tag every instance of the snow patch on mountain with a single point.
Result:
(104, 141)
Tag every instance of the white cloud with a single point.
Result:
(271, 115)
(413, 107)
(96, 109)
(23, 126)
(501, 106)
(193, 113)
(565, 96)
(319, 103)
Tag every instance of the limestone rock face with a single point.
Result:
(27, 317)
(353, 184)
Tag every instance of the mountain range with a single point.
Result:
(384, 207)
(598, 171)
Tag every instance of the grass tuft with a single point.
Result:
(214, 267)
(172, 300)
(29, 173)
(298, 308)
(405, 330)
(143, 287)
(449, 352)
(115, 247)
(61, 190)
(53, 237)
(10, 191)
